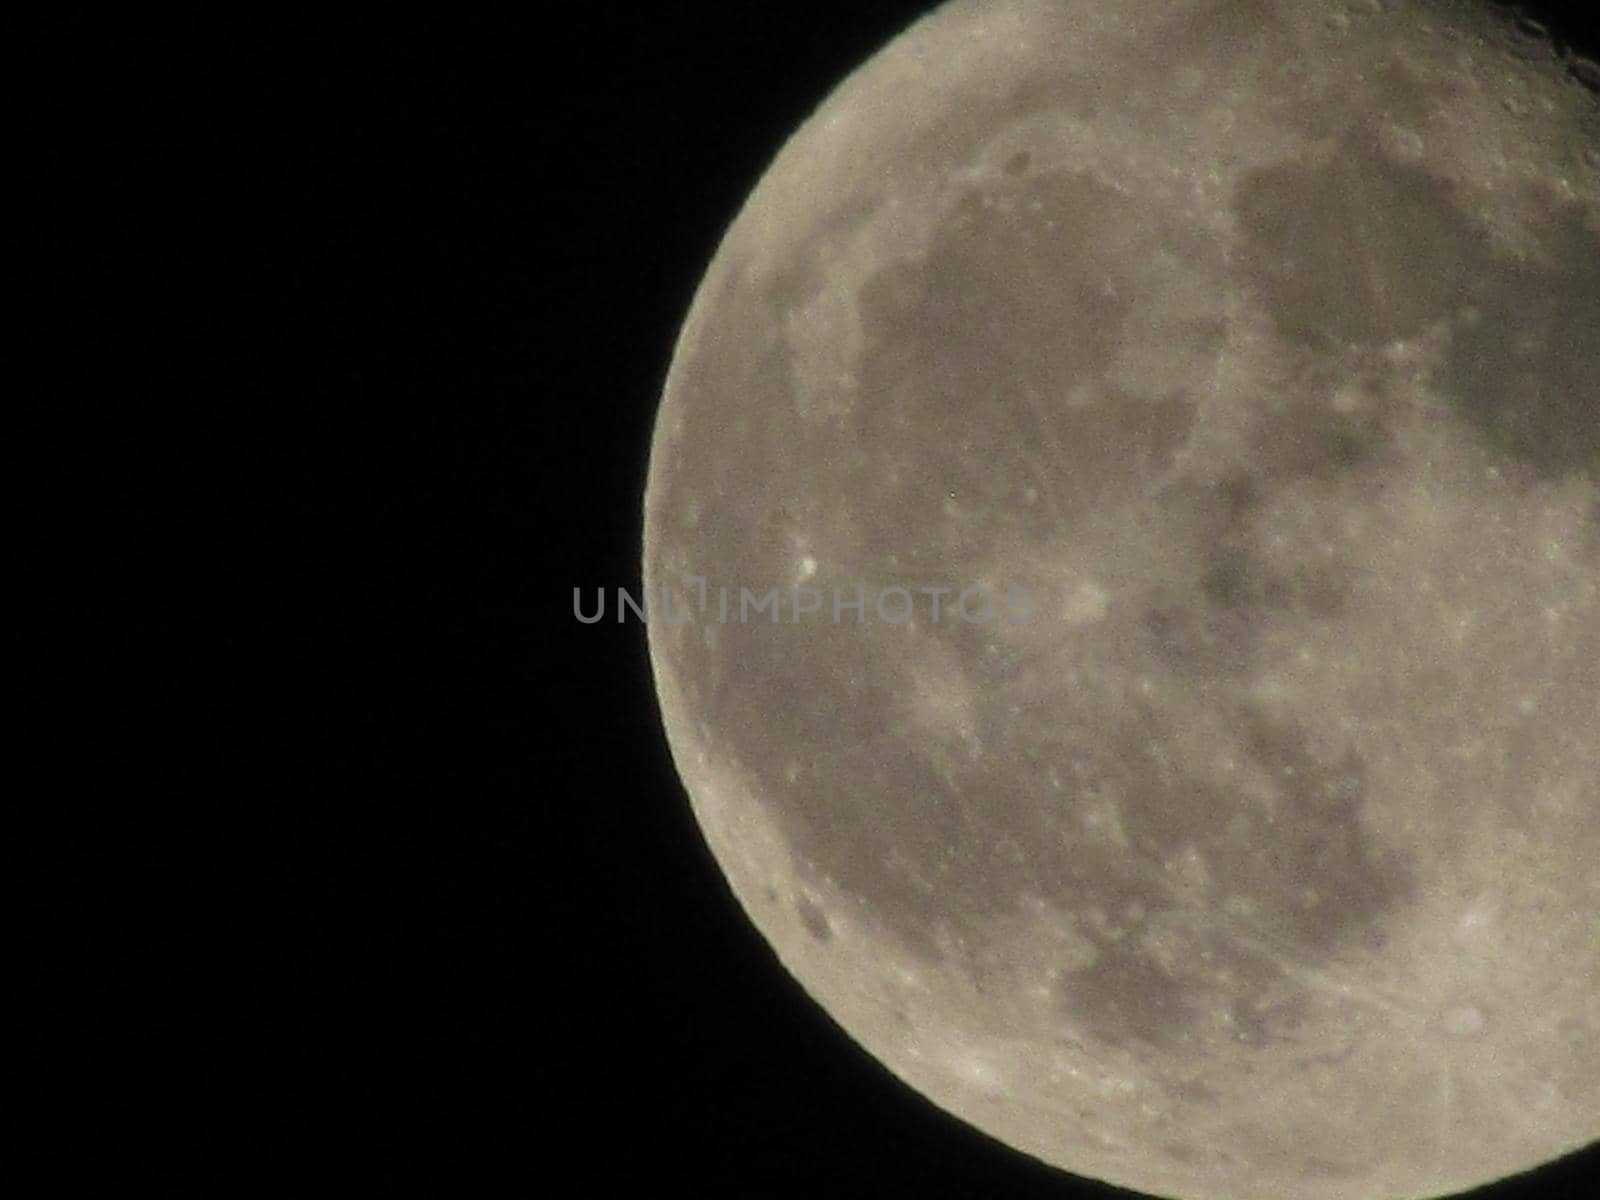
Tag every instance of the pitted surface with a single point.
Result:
(1281, 415)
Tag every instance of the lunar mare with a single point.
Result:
(1259, 341)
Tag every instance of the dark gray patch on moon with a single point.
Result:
(972, 348)
(1323, 244)
(1302, 435)
(1315, 880)
(1211, 628)
(1127, 995)
(1526, 370)
(1356, 249)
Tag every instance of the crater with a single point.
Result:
(813, 918)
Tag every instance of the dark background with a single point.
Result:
(482, 237)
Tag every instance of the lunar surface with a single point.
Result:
(1123, 546)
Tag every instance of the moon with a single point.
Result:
(1122, 548)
